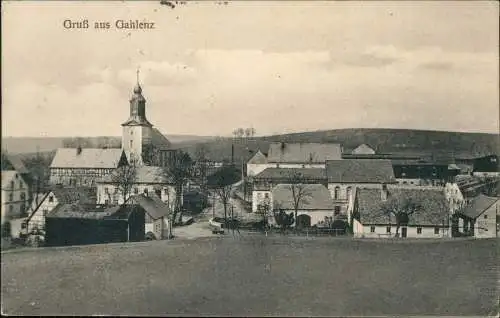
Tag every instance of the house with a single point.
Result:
(51, 199)
(313, 207)
(83, 166)
(478, 219)
(431, 220)
(344, 176)
(15, 199)
(294, 155)
(486, 166)
(157, 214)
(363, 149)
(81, 224)
(423, 173)
(148, 180)
(265, 181)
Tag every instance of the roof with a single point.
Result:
(85, 211)
(17, 163)
(144, 174)
(159, 140)
(74, 194)
(259, 157)
(411, 162)
(280, 152)
(363, 149)
(360, 171)
(317, 197)
(289, 174)
(434, 210)
(478, 206)
(153, 205)
(88, 158)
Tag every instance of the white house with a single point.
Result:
(14, 195)
(479, 218)
(51, 199)
(265, 181)
(148, 180)
(314, 206)
(344, 176)
(294, 155)
(432, 219)
(157, 215)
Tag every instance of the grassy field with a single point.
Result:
(255, 276)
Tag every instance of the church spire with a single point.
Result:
(137, 88)
(137, 107)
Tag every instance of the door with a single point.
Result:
(403, 232)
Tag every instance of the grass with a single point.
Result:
(255, 276)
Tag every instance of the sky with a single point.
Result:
(279, 67)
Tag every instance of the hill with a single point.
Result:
(396, 141)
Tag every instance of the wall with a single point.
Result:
(254, 169)
(258, 197)
(316, 215)
(37, 219)
(139, 135)
(77, 177)
(381, 232)
(485, 225)
(343, 201)
(18, 192)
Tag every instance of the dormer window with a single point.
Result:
(51, 198)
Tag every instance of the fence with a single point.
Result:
(298, 232)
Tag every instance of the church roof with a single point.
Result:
(315, 197)
(159, 140)
(137, 121)
(281, 152)
(93, 158)
(144, 174)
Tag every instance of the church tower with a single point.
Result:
(137, 130)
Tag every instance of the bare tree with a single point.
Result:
(221, 183)
(402, 207)
(203, 166)
(39, 173)
(179, 169)
(265, 210)
(124, 179)
(300, 193)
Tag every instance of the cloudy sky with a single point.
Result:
(277, 66)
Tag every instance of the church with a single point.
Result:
(141, 143)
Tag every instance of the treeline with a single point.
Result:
(92, 142)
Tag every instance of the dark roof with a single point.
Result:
(153, 205)
(159, 140)
(435, 208)
(17, 164)
(84, 211)
(478, 206)
(360, 171)
(84, 195)
(317, 197)
(288, 174)
(144, 174)
(280, 152)
(259, 157)
(410, 162)
(88, 158)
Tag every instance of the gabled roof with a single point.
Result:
(435, 208)
(17, 164)
(280, 152)
(85, 211)
(360, 171)
(259, 157)
(288, 174)
(87, 158)
(363, 149)
(84, 195)
(159, 140)
(317, 197)
(152, 204)
(478, 206)
(144, 174)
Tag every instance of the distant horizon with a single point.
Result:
(265, 135)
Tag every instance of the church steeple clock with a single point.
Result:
(137, 130)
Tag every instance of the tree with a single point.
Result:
(401, 207)
(265, 210)
(179, 169)
(283, 220)
(221, 182)
(124, 179)
(6, 165)
(203, 166)
(300, 192)
(39, 174)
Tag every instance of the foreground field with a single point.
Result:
(254, 276)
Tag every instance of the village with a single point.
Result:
(147, 190)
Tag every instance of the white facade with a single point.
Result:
(343, 195)
(259, 197)
(486, 225)
(157, 227)
(37, 217)
(110, 194)
(316, 216)
(381, 231)
(14, 196)
(133, 139)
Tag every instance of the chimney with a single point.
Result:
(79, 150)
(384, 192)
(232, 153)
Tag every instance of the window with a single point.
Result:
(51, 199)
(419, 230)
(116, 190)
(336, 193)
(12, 185)
(486, 216)
(131, 144)
(436, 230)
(11, 196)
(259, 196)
(106, 190)
(23, 196)
(106, 201)
(372, 229)
(266, 195)
(348, 192)
(165, 191)
(337, 210)
(136, 190)
(146, 191)
(44, 212)
(20, 184)
(388, 229)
